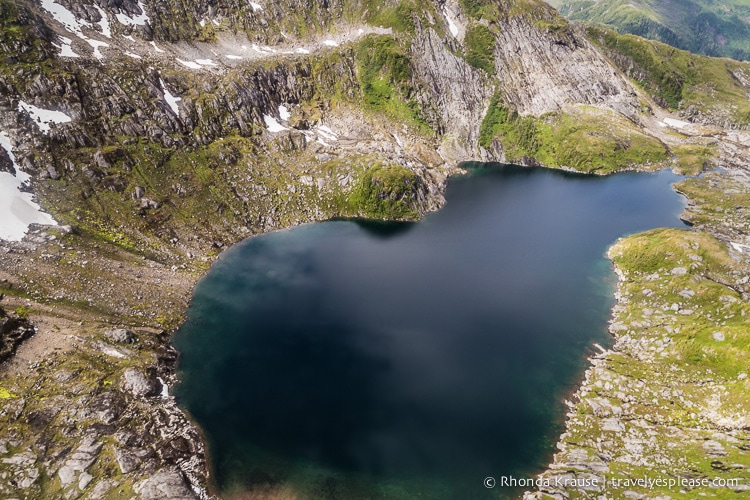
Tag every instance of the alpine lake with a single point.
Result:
(359, 359)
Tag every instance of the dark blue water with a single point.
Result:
(373, 360)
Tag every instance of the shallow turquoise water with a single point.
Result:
(390, 360)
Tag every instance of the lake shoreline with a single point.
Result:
(52, 354)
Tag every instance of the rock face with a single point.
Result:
(13, 331)
(164, 485)
(120, 335)
(139, 384)
(543, 72)
(460, 107)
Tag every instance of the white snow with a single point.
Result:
(232, 56)
(740, 248)
(130, 54)
(256, 6)
(164, 388)
(217, 23)
(104, 23)
(136, 20)
(153, 44)
(129, 37)
(331, 43)
(65, 49)
(303, 51)
(17, 208)
(675, 123)
(262, 50)
(188, 64)
(96, 44)
(72, 24)
(284, 113)
(170, 99)
(205, 62)
(451, 24)
(202, 23)
(272, 124)
(327, 133)
(64, 17)
(43, 117)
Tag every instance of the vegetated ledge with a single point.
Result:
(664, 414)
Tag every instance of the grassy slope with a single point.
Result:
(678, 79)
(702, 26)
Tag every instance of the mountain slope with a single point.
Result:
(700, 26)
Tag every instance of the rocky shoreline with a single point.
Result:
(656, 416)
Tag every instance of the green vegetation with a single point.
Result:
(384, 73)
(22, 312)
(585, 139)
(679, 79)
(21, 38)
(692, 159)
(387, 192)
(480, 48)
(700, 26)
(6, 394)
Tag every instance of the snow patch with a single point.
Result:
(303, 51)
(331, 43)
(272, 124)
(74, 25)
(140, 20)
(17, 208)
(129, 37)
(205, 62)
(739, 247)
(232, 56)
(263, 50)
(671, 122)
(256, 6)
(65, 48)
(170, 99)
(130, 54)
(327, 133)
(43, 117)
(104, 23)
(153, 44)
(451, 23)
(284, 113)
(164, 388)
(188, 64)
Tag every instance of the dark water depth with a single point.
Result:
(372, 360)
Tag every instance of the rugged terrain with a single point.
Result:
(720, 29)
(158, 133)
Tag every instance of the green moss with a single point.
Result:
(692, 159)
(480, 48)
(677, 78)
(6, 394)
(387, 192)
(589, 140)
(384, 73)
(23, 312)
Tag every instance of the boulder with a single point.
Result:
(138, 384)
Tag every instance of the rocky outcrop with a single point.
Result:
(543, 70)
(455, 92)
(13, 330)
